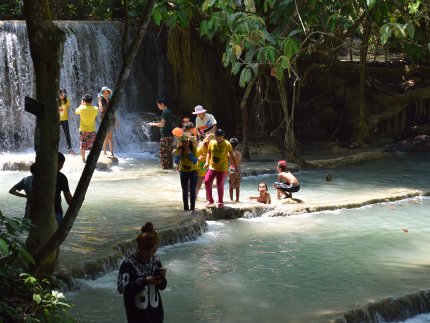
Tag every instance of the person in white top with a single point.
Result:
(205, 122)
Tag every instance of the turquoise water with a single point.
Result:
(302, 268)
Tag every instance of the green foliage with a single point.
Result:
(24, 298)
(11, 9)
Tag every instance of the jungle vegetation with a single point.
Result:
(355, 71)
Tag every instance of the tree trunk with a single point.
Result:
(361, 132)
(46, 46)
(245, 117)
(289, 139)
(66, 225)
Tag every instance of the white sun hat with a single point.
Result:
(199, 109)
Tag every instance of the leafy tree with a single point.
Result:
(24, 298)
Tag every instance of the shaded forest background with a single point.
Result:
(284, 71)
(361, 79)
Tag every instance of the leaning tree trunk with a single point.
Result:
(362, 133)
(245, 117)
(66, 225)
(46, 46)
(289, 139)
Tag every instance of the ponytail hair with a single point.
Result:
(148, 239)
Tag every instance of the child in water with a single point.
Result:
(264, 196)
(287, 183)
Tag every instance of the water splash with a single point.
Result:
(92, 59)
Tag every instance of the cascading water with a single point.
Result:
(16, 81)
(91, 59)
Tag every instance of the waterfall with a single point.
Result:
(92, 59)
(391, 309)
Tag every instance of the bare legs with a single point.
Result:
(237, 193)
(108, 141)
(200, 180)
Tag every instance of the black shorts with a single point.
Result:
(286, 187)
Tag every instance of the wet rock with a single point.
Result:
(419, 143)
(391, 309)
(106, 162)
(347, 160)
(16, 165)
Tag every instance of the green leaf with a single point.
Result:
(245, 76)
(4, 249)
(269, 54)
(24, 254)
(285, 62)
(385, 32)
(400, 30)
(410, 29)
(37, 298)
(207, 4)
(225, 59)
(370, 4)
(294, 32)
(156, 15)
(290, 48)
(237, 51)
(12, 225)
(235, 68)
(279, 72)
(204, 28)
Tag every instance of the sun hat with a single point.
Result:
(105, 88)
(199, 109)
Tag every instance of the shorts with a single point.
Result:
(234, 180)
(86, 140)
(286, 187)
(202, 170)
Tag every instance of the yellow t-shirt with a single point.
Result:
(219, 155)
(64, 110)
(202, 150)
(88, 115)
(186, 164)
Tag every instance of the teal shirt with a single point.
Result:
(166, 131)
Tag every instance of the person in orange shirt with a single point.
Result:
(187, 126)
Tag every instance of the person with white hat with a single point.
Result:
(103, 99)
(205, 122)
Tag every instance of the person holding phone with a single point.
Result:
(140, 279)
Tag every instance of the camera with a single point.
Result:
(157, 272)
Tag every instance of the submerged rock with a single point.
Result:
(16, 165)
(106, 162)
(419, 143)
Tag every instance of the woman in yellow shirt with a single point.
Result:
(186, 162)
(202, 150)
(63, 109)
